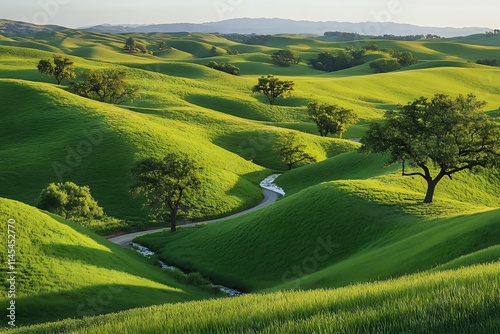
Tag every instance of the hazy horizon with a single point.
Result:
(75, 13)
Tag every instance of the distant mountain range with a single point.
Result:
(255, 26)
(283, 26)
(15, 28)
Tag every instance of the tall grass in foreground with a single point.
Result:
(466, 300)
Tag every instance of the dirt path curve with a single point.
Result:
(269, 198)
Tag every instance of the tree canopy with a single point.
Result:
(441, 136)
(60, 68)
(169, 185)
(405, 58)
(223, 67)
(331, 119)
(106, 86)
(70, 201)
(398, 60)
(292, 151)
(488, 62)
(385, 65)
(285, 58)
(273, 88)
(340, 60)
(213, 51)
(132, 46)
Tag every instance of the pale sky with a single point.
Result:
(77, 13)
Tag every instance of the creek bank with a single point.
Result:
(148, 253)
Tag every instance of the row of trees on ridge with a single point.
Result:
(108, 85)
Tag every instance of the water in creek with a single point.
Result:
(148, 253)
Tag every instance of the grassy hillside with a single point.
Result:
(185, 103)
(56, 124)
(346, 219)
(53, 123)
(66, 271)
(456, 301)
(366, 220)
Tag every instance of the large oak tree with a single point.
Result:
(61, 68)
(273, 88)
(106, 86)
(331, 119)
(168, 185)
(292, 151)
(285, 58)
(441, 136)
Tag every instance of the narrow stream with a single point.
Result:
(148, 253)
(268, 183)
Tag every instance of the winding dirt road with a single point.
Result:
(269, 198)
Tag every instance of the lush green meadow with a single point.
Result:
(369, 217)
(210, 115)
(66, 271)
(351, 231)
(456, 301)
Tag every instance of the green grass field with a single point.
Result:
(66, 271)
(456, 301)
(368, 215)
(346, 223)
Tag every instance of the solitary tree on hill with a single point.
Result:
(385, 65)
(285, 58)
(106, 86)
(331, 119)
(213, 51)
(61, 68)
(445, 134)
(168, 185)
(70, 201)
(130, 45)
(273, 88)
(292, 151)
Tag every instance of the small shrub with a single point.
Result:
(488, 62)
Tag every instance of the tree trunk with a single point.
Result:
(431, 187)
(173, 219)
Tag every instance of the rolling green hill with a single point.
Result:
(65, 271)
(50, 133)
(359, 218)
(199, 105)
(53, 123)
(456, 301)
(345, 220)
